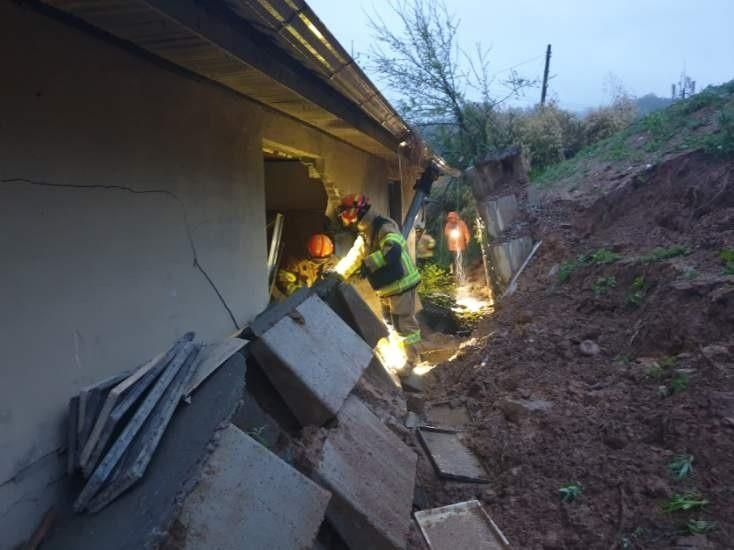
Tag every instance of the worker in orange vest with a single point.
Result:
(456, 232)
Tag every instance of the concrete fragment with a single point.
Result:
(249, 498)
(517, 409)
(412, 420)
(139, 517)
(313, 359)
(371, 474)
(589, 348)
(462, 525)
(449, 457)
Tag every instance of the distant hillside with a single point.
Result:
(705, 122)
(650, 103)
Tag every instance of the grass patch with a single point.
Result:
(698, 527)
(603, 285)
(637, 291)
(570, 492)
(665, 253)
(727, 257)
(690, 500)
(680, 467)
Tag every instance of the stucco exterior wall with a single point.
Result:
(113, 167)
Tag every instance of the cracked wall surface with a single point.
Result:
(131, 210)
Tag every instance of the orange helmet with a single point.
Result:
(452, 217)
(320, 246)
(352, 208)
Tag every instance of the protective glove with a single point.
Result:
(329, 281)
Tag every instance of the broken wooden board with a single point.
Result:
(141, 516)
(210, 358)
(72, 436)
(313, 359)
(91, 399)
(113, 456)
(462, 525)
(250, 498)
(120, 399)
(449, 457)
(140, 452)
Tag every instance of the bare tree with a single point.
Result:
(440, 84)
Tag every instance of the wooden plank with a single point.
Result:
(210, 358)
(154, 365)
(90, 403)
(72, 450)
(113, 456)
(140, 452)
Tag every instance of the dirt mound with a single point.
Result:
(615, 356)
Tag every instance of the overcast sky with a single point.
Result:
(645, 43)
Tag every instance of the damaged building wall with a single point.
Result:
(114, 166)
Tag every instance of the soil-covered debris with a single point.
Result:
(609, 374)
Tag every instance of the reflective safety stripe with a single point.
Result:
(375, 261)
(412, 276)
(412, 338)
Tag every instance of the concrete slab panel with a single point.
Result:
(210, 358)
(313, 359)
(250, 498)
(140, 517)
(444, 415)
(360, 317)
(450, 458)
(508, 257)
(371, 474)
(499, 214)
(461, 525)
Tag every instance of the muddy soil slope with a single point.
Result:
(612, 367)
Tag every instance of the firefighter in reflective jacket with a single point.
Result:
(304, 272)
(381, 253)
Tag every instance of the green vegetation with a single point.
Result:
(690, 500)
(679, 383)
(661, 367)
(698, 526)
(680, 467)
(564, 272)
(599, 257)
(602, 285)
(258, 434)
(665, 253)
(570, 492)
(637, 291)
(727, 257)
(677, 128)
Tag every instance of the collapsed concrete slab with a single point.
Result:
(499, 214)
(507, 257)
(449, 457)
(250, 498)
(371, 474)
(350, 306)
(141, 516)
(313, 359)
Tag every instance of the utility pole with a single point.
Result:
(545, 76)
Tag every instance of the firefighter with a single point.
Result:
(424, 245)
(301, 272)
(381, 253)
